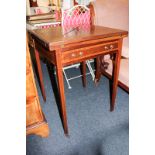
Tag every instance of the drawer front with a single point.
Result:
(82, 53)
(33, 113)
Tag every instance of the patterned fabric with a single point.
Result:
(77, 16)
(48, 25)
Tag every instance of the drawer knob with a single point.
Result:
(81, 53)
(106, 47)
(73, 54)
(111, 46)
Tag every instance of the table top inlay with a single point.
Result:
(55, 36)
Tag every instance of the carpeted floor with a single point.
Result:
(93, 129)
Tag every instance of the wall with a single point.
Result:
(28, 12)
(113, 13)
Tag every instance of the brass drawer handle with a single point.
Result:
(111, 46)
(81, 53)
(106, 48)
(73, 55)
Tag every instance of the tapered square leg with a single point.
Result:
(98, 71)
(115, 75)
(83, 72)
(59, 73)
(37, 57)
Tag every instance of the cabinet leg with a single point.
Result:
(41, 129)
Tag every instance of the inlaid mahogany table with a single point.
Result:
(63, 47)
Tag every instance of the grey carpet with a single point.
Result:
(93, 129)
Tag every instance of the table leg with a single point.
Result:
(83, 71)
(98, 71)
(40, 73)
(116, 66)
(59, 73)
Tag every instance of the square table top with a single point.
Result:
(56, 36)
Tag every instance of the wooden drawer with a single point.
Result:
(33, 113)
(90, 51)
